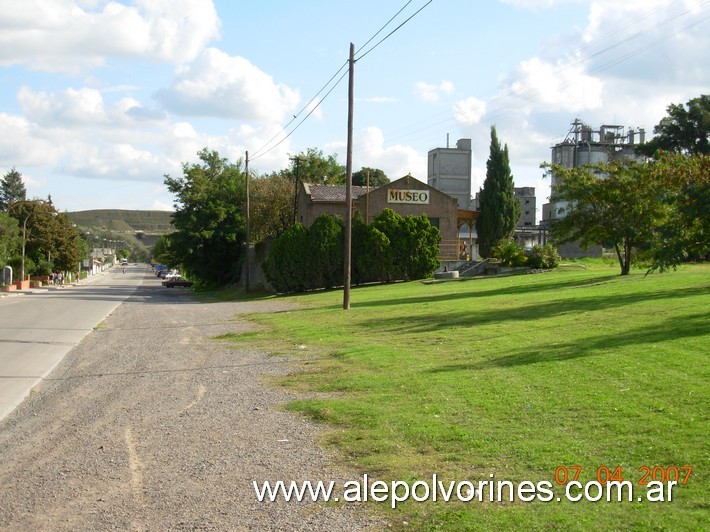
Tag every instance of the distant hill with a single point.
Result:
(124, 221)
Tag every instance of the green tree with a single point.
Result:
(52, 242)
(287, 267)
(413, 245)
(161, 251)
(619, 204)
(12, 189)
(370, 252)
(685, 131)
(68, 250)
(377, 177)
(500, 209)
(271, 206)
(422, 241)
(325, 251)
(685, 233)
(209, 218)
(9, 238)
(313, 167)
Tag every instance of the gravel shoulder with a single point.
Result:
(148, 424)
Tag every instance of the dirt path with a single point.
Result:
(150, 425)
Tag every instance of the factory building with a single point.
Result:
(449, 170)
(584, 145)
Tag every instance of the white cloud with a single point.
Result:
(73, 107)
(83, 108)
(431, 93)
(23, 144)
(545, 86)
(395, 161)
(66, 35)
(469, 111)
(219, 85)
(162, 206)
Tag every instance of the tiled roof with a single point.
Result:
(333, 194)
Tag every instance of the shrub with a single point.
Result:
(509, 253)
(392, 247)
(286, 266)
(544, 257)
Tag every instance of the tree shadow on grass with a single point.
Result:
(529, 313)
(479, 290)
(674, 328)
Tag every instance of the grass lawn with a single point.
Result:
(514, 377)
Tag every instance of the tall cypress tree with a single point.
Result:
(498, 205)
(12, 189)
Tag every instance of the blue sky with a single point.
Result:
(99, 99)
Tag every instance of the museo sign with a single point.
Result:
(416, 197)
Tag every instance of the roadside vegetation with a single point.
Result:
(392, 247)
(515, 377)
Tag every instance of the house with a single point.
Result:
(406, 196)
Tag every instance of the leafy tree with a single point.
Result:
(500, 209)
(325, 249)
(685, 233)
(66, 243)
(9, 238)
(287, 267)
(209, 219)
(313, 167)
(390, 248)
(12, 189)
(161, 251)
(377, 177)
(414, 245)
(685, 131)
(52, 242)
(370, 251)
(619, 204)
(271, 206)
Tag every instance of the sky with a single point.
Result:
(99, 100)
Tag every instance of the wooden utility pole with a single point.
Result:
(248, 231)
(349, 184)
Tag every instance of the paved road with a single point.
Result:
(151, 423)
(39, 327)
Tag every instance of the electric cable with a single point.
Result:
(267, 147)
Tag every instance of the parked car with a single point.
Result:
(164, 273)
(176, 281)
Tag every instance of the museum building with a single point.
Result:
(405, 196)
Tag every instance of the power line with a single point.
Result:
(394, 30)
(263, 151)
(268, 147)
(384, 26)
(302, 120)
(495, 113)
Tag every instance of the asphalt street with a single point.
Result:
(40, 326)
